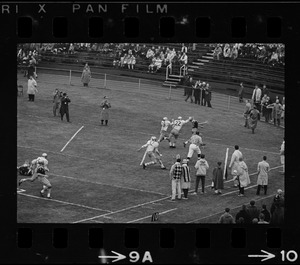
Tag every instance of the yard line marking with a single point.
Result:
(20, 190)
(136, 220)
(63, 202)
(250, 149)
(122, 210)
(100, 183)
(71, 139)
(198, 219)
(115, 186)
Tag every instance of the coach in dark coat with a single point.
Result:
(189, 90)
(105, 105)
(197, 92)
(64, 107)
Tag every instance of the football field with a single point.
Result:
(96, 175)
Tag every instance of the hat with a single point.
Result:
(44, 155)
(64, 94)
(105, 97)
(184, 161)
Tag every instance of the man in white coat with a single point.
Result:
(282, 156)
(263, 168)
(234, 162)
(31, 88)
(256, 97)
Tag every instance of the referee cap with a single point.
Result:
(44, 155)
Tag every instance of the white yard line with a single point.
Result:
(63, 202)
(71, 138)
(198, 219)
(217, 139)
(115, 186)
(121, 210)
(136, 220)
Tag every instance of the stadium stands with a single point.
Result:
(201, 63)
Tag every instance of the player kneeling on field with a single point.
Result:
(25, 169)
(40, 174)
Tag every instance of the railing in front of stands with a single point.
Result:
(109, 82)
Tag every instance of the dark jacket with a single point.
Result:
(245, 215)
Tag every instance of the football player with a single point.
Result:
(153, 153)
(174, 134)
(195, 126)
(195, 141)
(165, 123)
(25, 169)
(39, 167)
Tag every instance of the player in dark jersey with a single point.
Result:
(25, 169)
(195, 128)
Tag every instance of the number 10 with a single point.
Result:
(291, 255)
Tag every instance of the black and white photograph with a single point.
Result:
(180, 133)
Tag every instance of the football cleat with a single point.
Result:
(144, 166)
(42, 194)
(20, 182)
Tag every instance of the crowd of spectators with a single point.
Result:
(251, 214)
(271, 54)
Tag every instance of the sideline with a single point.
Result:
(136, 220)
(63, 202)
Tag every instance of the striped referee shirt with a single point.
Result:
(186, 173)
(176, 171)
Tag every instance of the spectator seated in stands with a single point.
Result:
(150, 53)
(155, 65)
(274, 58)
(162, 57)
(124, 60)
(170, 56)
(131, 62)
(234, 52)
(226, 51)
(217, 52)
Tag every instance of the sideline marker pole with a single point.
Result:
(225, 164)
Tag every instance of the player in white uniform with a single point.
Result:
(195, 141)
(39, 167)
(177, 125)
(153, 153)
(165, 123)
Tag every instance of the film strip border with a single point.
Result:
(157, 244)
(185, 22)
(57, 22)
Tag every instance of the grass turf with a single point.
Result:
(100, 168)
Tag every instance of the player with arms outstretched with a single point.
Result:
(174, 134)
(152, 152)
(165, 123)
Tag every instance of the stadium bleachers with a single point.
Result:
(201, 65)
